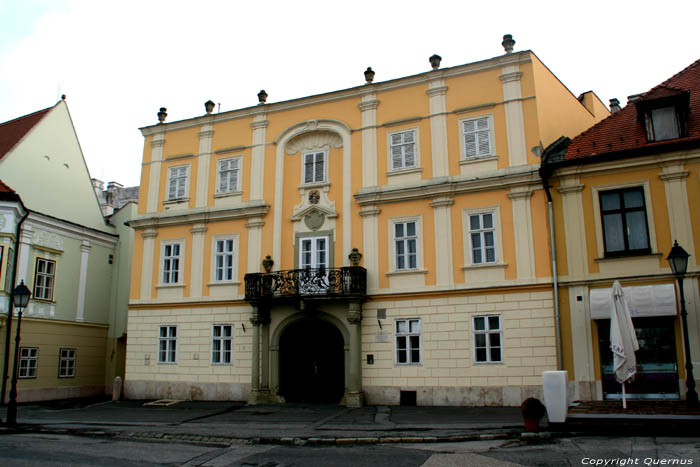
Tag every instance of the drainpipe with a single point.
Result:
(545, 173)
(10, 306)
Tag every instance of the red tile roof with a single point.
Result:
(13, 131)
(4, 188)
(7, 193)
(622, 131)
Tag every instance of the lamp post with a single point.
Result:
(20, 299)
(678, 260)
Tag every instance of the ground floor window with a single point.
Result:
(657, 368)
(66, 363)
(487, 339)
(167, 344)
(28, 359)
(222, 344)
(408, 341)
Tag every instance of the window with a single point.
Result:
(222, 344)
(177, 182)
(66, 363)
(487, 339)
(314, 167)
(171, 263)
(313, 252)
(406, 241)
(28, 358)
(403, 150)
(662, 124)
(228, 175)
(167, 344)
(223, 265)
(9, 272)
(407, 341)
(44, 279)
(624, 217)
(482, 234)
(477, 137)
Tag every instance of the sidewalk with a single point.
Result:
(223, 423)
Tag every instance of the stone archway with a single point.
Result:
(312, 362)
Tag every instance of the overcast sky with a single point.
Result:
(118, 62)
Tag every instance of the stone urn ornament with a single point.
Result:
(267, 263)
(355, 256)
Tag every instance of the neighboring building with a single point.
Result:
(382, 244)
(115, 196)
(75, 263)
(623, 193)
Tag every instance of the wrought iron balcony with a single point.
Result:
(346, 282)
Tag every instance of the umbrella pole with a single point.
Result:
(624, 398)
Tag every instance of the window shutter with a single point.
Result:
(172, 186)
(308, 168)
(319, 168)
(410, 155)
(469, 145)
(396, 159)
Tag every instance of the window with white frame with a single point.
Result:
(222, 344)
(624, 220)
(477, 137)
(487, 339)
(66, 363)
(171, 263)
(223, 262)
(177, 182)
(406, 245)
(167, 344)
(9, 272)
(28, 360)
(407, 333)
(44, 278)
(315, 167)
(403, 149)
(228, 175)
(482, 235)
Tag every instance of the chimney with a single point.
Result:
(508, 43)
(634, 97)
(614, 105)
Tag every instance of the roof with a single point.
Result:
(624, 132)
(7, 193)
(13, 131)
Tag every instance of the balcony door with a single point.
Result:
(313, 260)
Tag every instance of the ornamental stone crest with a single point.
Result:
(48, 240)
(314, 197)
(314, 219)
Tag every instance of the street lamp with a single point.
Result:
(678, 260)
(20, 299)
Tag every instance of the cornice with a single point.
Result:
(593, 167)
(444, 187)
(59, 227)
(497, 62)
(525, 195)
(570, 189)
(370, 211)
(442, 202)
(198, 229)
(198, 215)
(403, 121)
(368, 105)
(511, 77)
(437, 91)
(674, 176)
(260, 124)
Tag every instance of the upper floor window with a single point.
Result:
(403, 150)
(406, 245)
(482, 234)
(171, 263)
(177, 182)
(44, 279)
(624, 218)
(477, 137)
(664, 112)
(223, 269)
(315, 167)
(228, 175)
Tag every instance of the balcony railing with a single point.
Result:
(346, 282)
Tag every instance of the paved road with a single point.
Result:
(63, 450)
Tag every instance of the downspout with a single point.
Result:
(545, 173)
(10, 305)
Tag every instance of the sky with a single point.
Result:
(119, 62)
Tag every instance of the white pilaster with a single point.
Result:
(154, 171)
(581, 333)
(368, 106)
(255, 254)
(572, 205)
(197, 272)
(82, 281)
(149, 239)
(674, 178)
(524, 239)
(205, 140)
(370, 234)
(257, 172)
(347, 198)
(438, 127)
(25, 244)
(444, 270)
(515, 123)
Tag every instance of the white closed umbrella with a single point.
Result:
(623, 340)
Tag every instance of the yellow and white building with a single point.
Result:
(447, 300)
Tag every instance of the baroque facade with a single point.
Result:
(623, 192)
(381, 244)
(75, 263)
